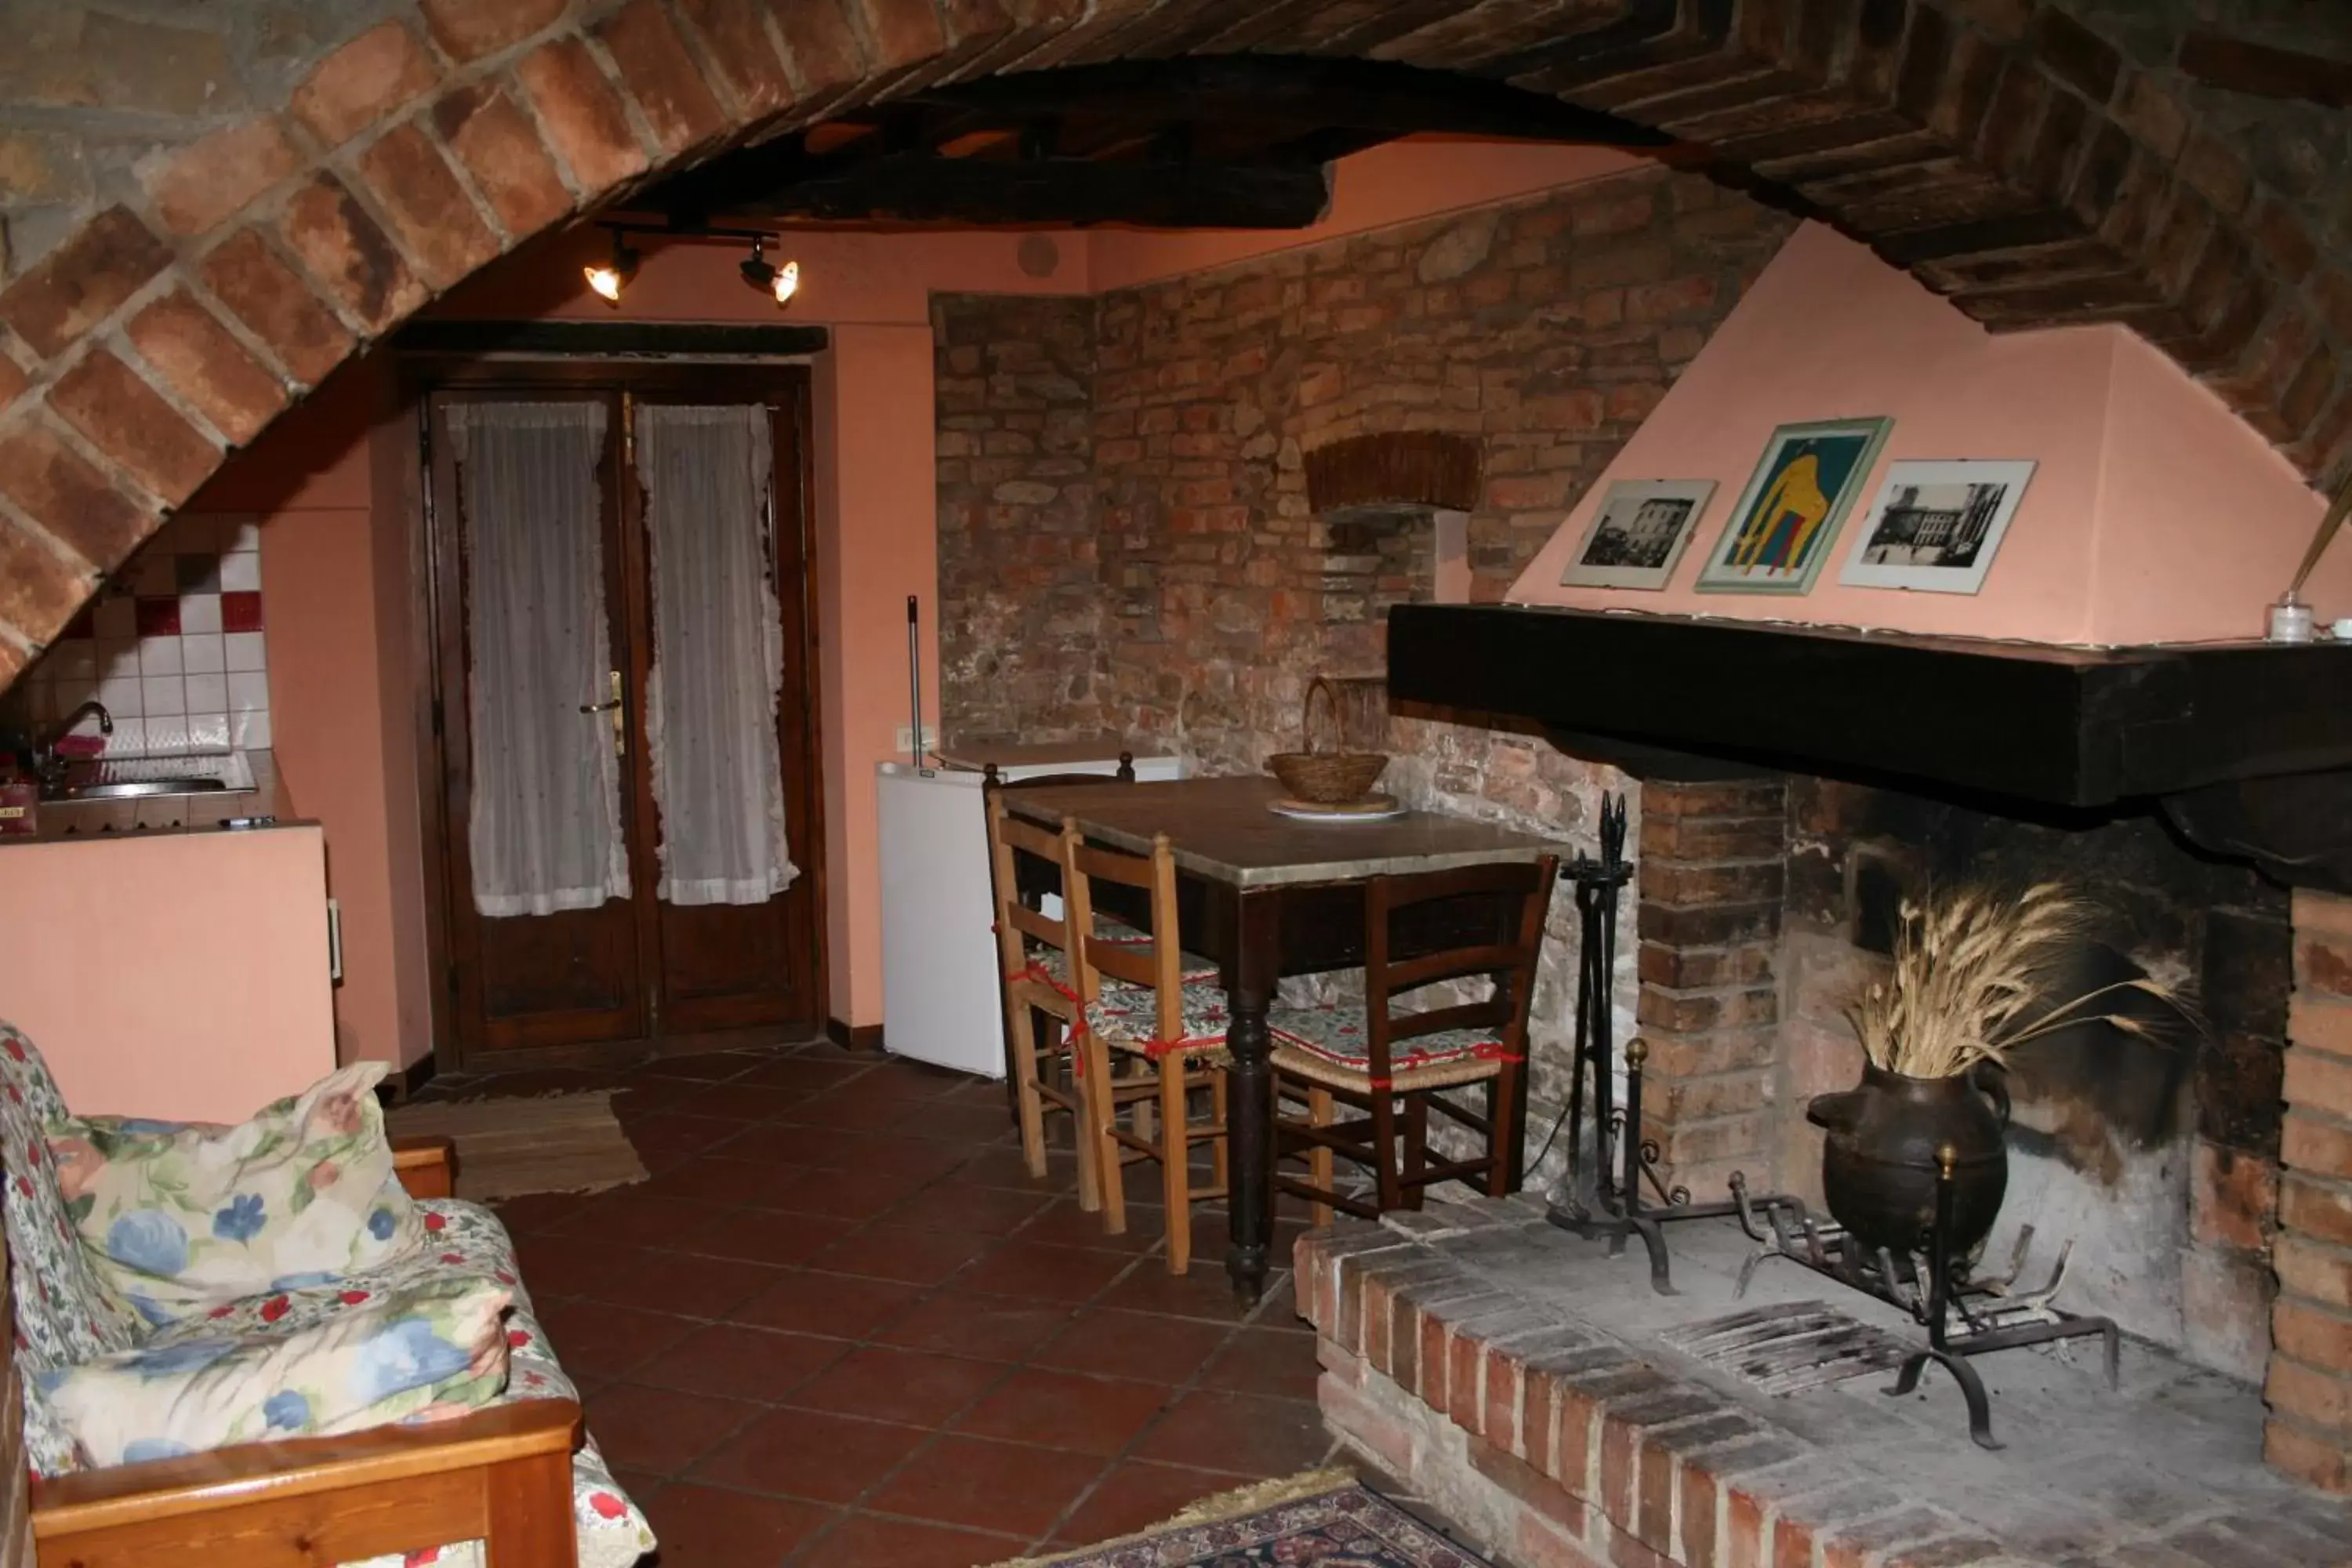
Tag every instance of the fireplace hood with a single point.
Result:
(2246, 746)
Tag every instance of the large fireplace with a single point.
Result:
(1794, 785)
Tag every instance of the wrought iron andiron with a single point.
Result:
(1932, 1285)
(1604, 1197)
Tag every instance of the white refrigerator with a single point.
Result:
(939, 997)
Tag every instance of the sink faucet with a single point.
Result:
(46, 765)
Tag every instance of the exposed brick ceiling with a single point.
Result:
(2041, 163)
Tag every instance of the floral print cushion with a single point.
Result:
(434, 1347)
(178, 1216)
(1052, 965)
(65, 1312)
(1128, 1017)
(1335, 1032)
(467, 1237)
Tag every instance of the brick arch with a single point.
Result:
(2007, 156)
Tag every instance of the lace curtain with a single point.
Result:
(545, 833)
(719, 654)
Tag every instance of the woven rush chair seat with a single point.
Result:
(1051, 966)
(1332, 1044)
(1127, 1016)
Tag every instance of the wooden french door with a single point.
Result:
(634, 971)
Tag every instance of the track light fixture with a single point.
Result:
(609, 277)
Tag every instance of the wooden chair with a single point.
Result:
(502, 1475)
(1033, 956)
(1145, 1003)
(1393, 1065)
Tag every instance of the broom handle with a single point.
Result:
(2337, 509)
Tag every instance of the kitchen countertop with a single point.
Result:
(64, 821)
(1105, 746)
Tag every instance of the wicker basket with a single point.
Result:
(1335, 777)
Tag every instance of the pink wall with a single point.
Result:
(1397, 182)
(2155, 514)
(181, 976)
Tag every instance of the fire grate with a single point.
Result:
(1790, 1348)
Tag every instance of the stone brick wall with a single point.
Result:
(2310, 1383)
(1022, 650)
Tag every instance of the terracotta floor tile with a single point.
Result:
(954, 1121)
(1065, 1223)
(880, 1251)
(982, 1485)
(737, 1101)
(805, 1075)
(983, 1210)
(882, 1382)
(682, 1282)
(991, 1328)
(1135, 1496)
(845, 1148)
(709, 1527)
(1217, 1430)
(666, 1138)
(538, 1213)
(629, 1216)
(1004, 1167)
(809, 1454)
(1095, 1415)
(842, 1194)
(1267, 1361)
(1134, 1345)
(560, 1265)
(742, 1363)
(662, 1429)
(763, 1236)
(597, 1337)
(712, 1067)
(865, 1542)
(834, 1304)
(1203, 1292)
(1022, 1267)
(713, 1180)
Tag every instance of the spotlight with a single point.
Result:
(783, 282)
(609, 277)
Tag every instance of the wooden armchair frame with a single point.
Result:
(502, 1476)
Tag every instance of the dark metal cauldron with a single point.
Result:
(1880, 1161)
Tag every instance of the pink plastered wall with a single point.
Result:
(2154, 514)
(181, 976)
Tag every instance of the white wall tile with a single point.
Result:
(199, 613)
(245, 651)
(208, 693)
(208, 732)
(244, 535)
(130, 737)
(163, 695)
(75, 658)
(166, 735)
(248, 693)
(122, 697)
(118, 660)
(160, 655)
(203, 654)
(240, 573)
(253, 731)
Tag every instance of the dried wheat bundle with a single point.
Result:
(1973, 970)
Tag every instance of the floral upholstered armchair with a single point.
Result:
(400, 1409)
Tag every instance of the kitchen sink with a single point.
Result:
(151, 778)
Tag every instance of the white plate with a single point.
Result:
(1299, 811)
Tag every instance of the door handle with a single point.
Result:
(612, 707)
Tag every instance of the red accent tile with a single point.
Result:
(661, 1429)
(1002, 1487)
(697, 1525)
(742, 1363)
(1097, 1415)
(914, 1387)
(240, 611)
(157, 617)
(809, 1454)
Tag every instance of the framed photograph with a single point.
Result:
(1781, 532)
(1638, 534)
(1936, 526)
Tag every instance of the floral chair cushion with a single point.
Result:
(65, 1312)
(1052, 965)
(468, 1239)
(434, 1347)
(1335, 1032)
(178, 1216)
(1128, 1018)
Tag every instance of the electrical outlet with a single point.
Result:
(906, 738)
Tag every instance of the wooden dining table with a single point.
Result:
(1263, 896)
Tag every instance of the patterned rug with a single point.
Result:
(1328, 1519)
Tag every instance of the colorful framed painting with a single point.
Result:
(1638, 534)
(1787, 520)
(1936, 526)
